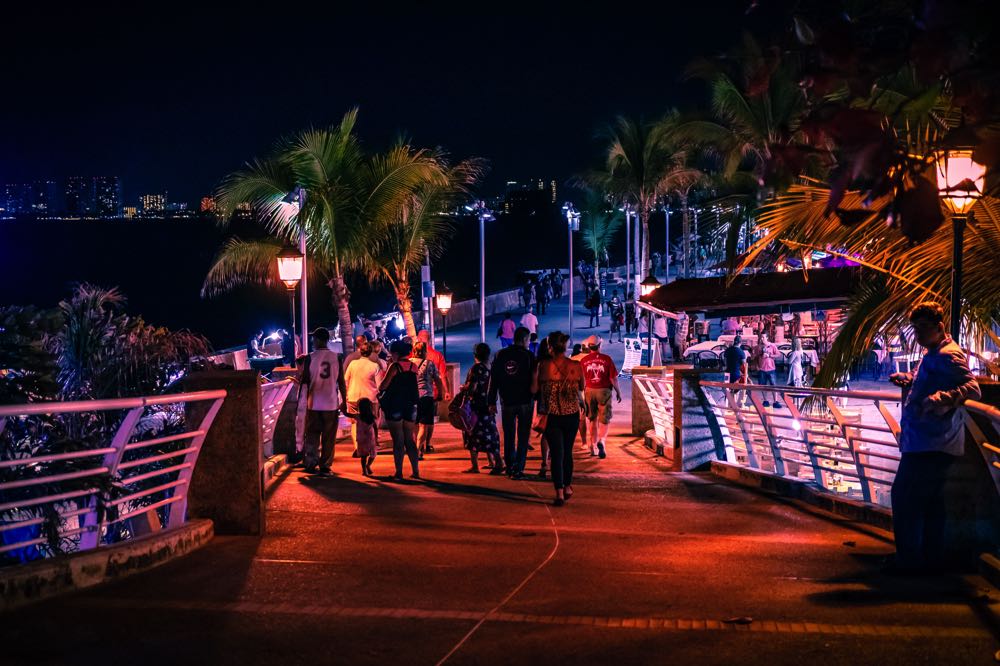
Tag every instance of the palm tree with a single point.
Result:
(417, 223)
(902, 274)
(643, 161)
(599, 224)
(343, 201)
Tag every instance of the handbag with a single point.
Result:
(540, 423)
(460, 413)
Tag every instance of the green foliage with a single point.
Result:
(27, 370)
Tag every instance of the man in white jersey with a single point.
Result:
(324, 377)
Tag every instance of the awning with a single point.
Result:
(760, 293)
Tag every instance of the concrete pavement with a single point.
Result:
(642, 566)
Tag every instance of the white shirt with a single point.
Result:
(530, 322)
(660, 327)
(362, 378)
(324, 369)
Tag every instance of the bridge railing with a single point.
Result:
(844, 441)
(62, 491)
(272, 399)
(658, 392)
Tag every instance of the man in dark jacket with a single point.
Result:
(511, 380)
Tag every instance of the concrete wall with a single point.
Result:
(227, 486)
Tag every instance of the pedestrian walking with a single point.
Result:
(530, 321)
(484, 437)
(533, 344)
(506, 331)
(362, 378)
(594, 305)
(736, 361)
(600, 376)
(661, 331)
(560, 380)
(617, 311)
(398, 397)
(932, 438)
(429, 385)
(764, 355)
(510, 380)
(323, 373)
(796, 365)
(363, 433)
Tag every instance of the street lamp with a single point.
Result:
(296, 201)
(573, 224)
(485, 215)
(961, 181)
(647, 287)
(290, 271)
(443, 305)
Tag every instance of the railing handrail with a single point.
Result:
(56, 407)
(988, 411)
(836, 393)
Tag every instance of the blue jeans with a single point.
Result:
(515, 421)
(506, 342)
(766, 377)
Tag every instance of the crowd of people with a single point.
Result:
(534, 386)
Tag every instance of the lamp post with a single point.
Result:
(485, 215)
(628, 251)
(666, 248)
(297, 199)
(572, 224)
(290, 271)
(960, 182)
(443, 298)
(647, 287)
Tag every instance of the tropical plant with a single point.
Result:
(403, 233)
(643, 161)
(599, 224)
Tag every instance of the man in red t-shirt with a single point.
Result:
(600, 376)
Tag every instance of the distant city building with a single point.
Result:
(107, 196)
(130, 212)
(528, 197)
(80, 196)
(15, 199)
(153, 204)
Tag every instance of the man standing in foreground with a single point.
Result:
(511, 376)
(324, 377)
(932, 437)
(600, 375)
(736, 361)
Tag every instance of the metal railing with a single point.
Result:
(986, 435)
(844, 441)
(80, 494)
(658, 392)
(272, 399)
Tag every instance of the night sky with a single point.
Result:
(174, 99)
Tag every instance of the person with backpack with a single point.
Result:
(398, 397)
(483, 437)
(323, 376)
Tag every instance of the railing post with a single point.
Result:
(94, 524)
(779, 462)
(890, 420)
(178, 510)
(866, 491)
(747, 439)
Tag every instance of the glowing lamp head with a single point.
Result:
(443, 301)
(960, 179)
(290, 267)
(648, 286)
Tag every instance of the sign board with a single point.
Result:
(633, 354)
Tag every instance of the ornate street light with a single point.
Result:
(295, 201)
(443, 298)
(290, 271)
(961, 181)
(647, 287)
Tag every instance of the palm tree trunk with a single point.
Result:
(406, 306)
(644, 216)
(342, 303)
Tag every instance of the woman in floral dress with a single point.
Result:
(484, 436)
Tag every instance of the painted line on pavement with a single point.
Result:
(611, 622)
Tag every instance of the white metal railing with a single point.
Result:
(988, 438)
(84, 496)
(658, 392)
(272, 399)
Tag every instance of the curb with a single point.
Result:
(45, 579)
(989, 568)
(653, 442)
(273, 470)
(855, 510)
